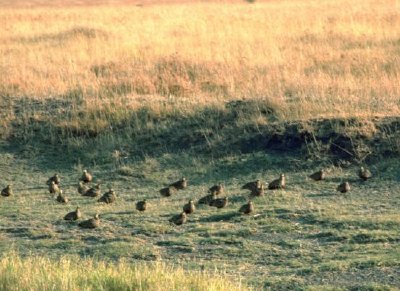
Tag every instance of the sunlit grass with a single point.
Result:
(310, 58)
(73, 273)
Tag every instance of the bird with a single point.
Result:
(74, 215)
(343, 187)
(279, 183)
(207, 199)
(179, 219)
(217, 189)
(364, 174)
(86, 177)
(53, 188)
(141, 205)
(7, 191)
(247, 208)
(219, 202)
(82, 188)
(189, 207)
(318, 176)
(108, 197)
(56, 178)
(180, 185)
(91, 223)
(258, 191)
(61, 198)
(168, 191)
(93, 192)
(252, 185)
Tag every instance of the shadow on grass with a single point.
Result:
(321, 194)
(220, 217)
(54, 137)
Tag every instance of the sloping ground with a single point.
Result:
(238, 127)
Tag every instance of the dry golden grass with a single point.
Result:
(73, 273)
(310, 58)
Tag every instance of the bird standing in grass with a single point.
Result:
(141, 205)
(168, 191)
(91, 223)
(219, 202)
(93, 192)
(217, 189)
(279, 183)
(82, 188)
(179, 219)
(61, 198)
(189, 207)
(53, 188)
(364, 174)
(343, 187)
(108, 197)
(319, 175)
(258, 191)
(56, 178)
(247, 208)
(252, 186)
(7, 191)
(86, 177)
(74, 215)
(180, 185)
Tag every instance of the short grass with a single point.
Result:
(307, 236)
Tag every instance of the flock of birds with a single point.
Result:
(213, 199)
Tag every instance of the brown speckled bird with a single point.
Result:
(91, 223)
(217, 189)
(258, 191)
(180, 185)
(74, 215)
(61, 198)
(219, 202)
(53, 188)
(179, 219)
(252, 186)
(108, 197)
(56, 178)
(319, 175)
(189, 207)
(82, 188)
(168, 191)
(141, 205)
(247, 208)
(364, 174)
(207, 199)
(86, 177)
(344, 187)
(93, 192)
(7, 191)
(279, 183)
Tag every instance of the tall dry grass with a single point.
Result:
(73, 273)
(309, 58)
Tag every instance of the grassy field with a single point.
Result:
(144, 93)
(309, 58)
(307, 236)
(74, 273)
